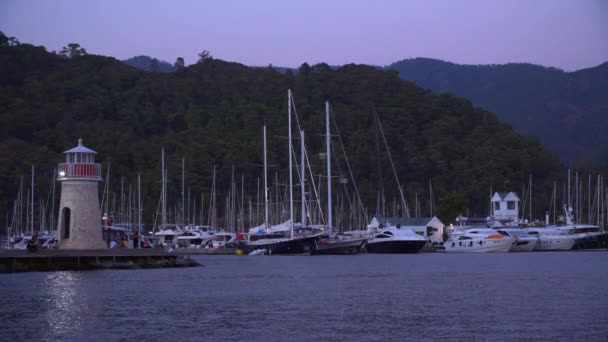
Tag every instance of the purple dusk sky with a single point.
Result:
(568, 34)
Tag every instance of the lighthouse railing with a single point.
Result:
(79, 170)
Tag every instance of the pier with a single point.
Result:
(70, 260)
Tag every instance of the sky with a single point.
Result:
(567, 34)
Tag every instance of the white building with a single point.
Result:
(430, 227)
(505, 207)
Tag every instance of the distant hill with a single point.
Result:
(145, 62)
(568, 111)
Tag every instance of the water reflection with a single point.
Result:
(65, 305)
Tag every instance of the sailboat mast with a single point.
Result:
(164, 191)
(530, 189)
(328, 155)
(183, 193)
(32, 211)
(139, 202)
(265, 184)
(290, 162)
(302, 171)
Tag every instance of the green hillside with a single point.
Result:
(212, 113)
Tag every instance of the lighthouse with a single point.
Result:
(79, 219)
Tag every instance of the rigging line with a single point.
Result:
(407, 210)
(314, 186)
(350, 203)
(348, 164)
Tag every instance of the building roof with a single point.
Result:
(80, 148)
(502, 196)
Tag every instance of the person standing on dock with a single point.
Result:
(136, 239)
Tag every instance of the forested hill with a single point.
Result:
(212, 113)
(568, 111)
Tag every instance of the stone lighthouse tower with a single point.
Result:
(79, 219)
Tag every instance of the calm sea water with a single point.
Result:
(434, 296)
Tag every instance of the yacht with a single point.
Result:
(586, 236)
(195, 237)
(524, 242)
(551, 240)
(168, 235)
(478, 240)
(395, 240)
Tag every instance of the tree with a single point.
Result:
(179, 64)
(154, 67)
(12, 41)
(8, 41)
(452, 205)
(204, 56)
(73, 50)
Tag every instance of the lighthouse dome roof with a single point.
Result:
(80, 149)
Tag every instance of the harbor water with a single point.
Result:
(548, 296)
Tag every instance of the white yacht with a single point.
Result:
(195, 237)
(524, 242)
(551, 240)
(586, 236)
(478, 240)
(395, 240)
(168, 235)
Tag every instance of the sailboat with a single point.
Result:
(332, 243)
(167, 234)
(281, 238)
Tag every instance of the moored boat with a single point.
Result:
(473, 240)
(395, 241)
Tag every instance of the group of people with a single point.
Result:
(139, 241)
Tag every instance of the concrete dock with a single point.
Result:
(64, 260)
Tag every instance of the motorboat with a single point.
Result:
(479, 240)
(586, 236)
(551, 240)
(195, 237)
(395, 241)
(524, 242)
(223, 239)
(168, 235)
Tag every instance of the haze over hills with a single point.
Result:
(568, 111)
(212, 113)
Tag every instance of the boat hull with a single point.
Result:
(339, 247)
(522, 245)
(595, 241)
(395, 247)
(303, 245)
(554, 243)
(479, 245)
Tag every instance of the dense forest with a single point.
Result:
(211, 114)
(566, 110)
